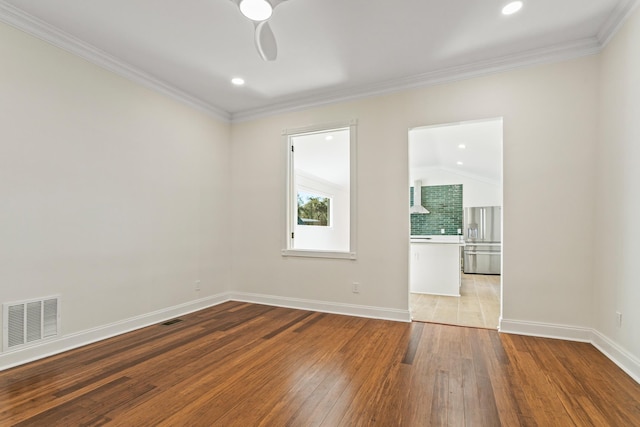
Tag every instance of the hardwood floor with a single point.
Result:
(240, 364)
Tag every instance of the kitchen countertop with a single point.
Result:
(438, 239)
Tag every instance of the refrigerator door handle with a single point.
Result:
(482, 253)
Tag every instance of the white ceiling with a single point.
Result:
(328, 49)
(438, 147)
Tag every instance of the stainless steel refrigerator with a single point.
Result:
(483, 240)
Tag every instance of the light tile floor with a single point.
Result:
(478, 305)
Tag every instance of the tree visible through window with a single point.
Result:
(314, 210)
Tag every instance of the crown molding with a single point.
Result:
(622, 11)
(556, 53)
(15, 17)
(21, 20)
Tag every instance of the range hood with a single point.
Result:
(417, 199)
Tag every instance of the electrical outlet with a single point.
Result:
(619, 319)
(197, 285)
(355, 287)
(442, 231)
(459, 230)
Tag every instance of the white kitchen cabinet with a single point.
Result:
(435, 267)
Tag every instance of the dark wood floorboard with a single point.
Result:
(240, 364)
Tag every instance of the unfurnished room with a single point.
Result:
(319, 213)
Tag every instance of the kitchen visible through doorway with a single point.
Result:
(456, 221)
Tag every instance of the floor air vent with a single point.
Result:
(28, 322)
(171, 322)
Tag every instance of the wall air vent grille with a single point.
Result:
(28, 322)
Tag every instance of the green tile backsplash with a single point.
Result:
(445, 204)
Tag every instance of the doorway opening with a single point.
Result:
(455, 188)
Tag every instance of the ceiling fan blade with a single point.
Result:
(266, 41)
(274, 3)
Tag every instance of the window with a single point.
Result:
(321, 192)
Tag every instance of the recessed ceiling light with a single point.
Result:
(459, 163)
(238, 81)
(328, 137)
(256, 10)
(512, 8)
(462, 146)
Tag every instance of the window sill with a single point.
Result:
(318, 254)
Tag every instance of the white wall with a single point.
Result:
(111, 195)
(549, 155)
(475, 191)
(616, 235)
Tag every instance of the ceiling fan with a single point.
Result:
(259, 12)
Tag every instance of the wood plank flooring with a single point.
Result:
(241, 364)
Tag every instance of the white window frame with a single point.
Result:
(291, 196)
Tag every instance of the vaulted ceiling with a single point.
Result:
(328, 49)
(471, 148)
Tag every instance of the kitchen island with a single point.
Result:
(435, 265)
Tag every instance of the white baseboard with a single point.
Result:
(545, 330)
(626, 361)
(79, 339)
(325, 306)
(69, 342)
